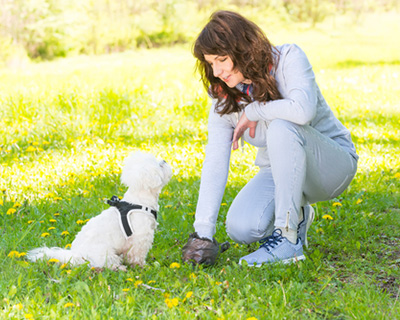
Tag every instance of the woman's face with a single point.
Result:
(223, 68)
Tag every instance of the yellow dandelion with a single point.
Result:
(65, 233)
(252, 318)
(56, 214)
(327, 217)
(45, 143)
(57, 198)
(168, 206)
(45, 234)
(28, 316)
(151, 281)
(67, 246)
(19, 306)
(63, 266)
(22, 254)
(80, 221)
(53, 260)
(397, 175)
(172, 302)
(125, 289)
(175, 265)
(320, 230)
(129, 279)
(51, 228)
(359, 201)
(35, 143)
(224, 204)
(192, 276)
(1, 202)
(16, 205)
(336, 204)
(69, 305)
(52, 220)
(13, 254)
(189, 294)
(11, 211)
(31, 221)
(218, 283)
(30, 149)
(138, 283)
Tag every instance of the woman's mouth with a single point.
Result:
(226, 79)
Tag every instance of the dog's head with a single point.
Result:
(142, 171)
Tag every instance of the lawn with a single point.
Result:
(67, 125)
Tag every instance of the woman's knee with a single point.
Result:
(279, 127)
(240, 231)
(283, 133)
(246, 229)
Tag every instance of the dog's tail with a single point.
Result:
(61, 255)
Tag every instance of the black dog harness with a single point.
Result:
(125, 208)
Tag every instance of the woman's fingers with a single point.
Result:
(242, 125)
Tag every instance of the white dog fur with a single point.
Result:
(101, 241)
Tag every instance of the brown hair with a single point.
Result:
(230, 34)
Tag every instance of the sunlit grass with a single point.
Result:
(65, 128)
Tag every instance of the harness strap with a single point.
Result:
(124, 208)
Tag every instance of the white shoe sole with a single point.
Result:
(285, 261)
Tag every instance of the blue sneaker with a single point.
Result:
(304, 225)
(275, 248)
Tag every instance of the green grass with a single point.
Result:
(66, 126)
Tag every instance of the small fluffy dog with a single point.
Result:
(125, 231)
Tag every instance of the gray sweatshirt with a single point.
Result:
(302, 104)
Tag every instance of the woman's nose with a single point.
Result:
(216, 70)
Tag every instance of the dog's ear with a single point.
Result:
(152, 177)
(143, 178)
(142, 171)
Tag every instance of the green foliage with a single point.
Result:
(66, 126)
(309, 10)
(46, 29)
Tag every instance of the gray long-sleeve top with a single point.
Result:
(302, 104)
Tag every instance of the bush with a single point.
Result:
(47, 29)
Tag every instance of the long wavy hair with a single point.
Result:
(230, 34)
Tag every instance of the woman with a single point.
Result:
(269, 97)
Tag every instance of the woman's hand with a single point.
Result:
(241, 127)
(202, 250)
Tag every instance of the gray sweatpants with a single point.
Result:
(306, 167)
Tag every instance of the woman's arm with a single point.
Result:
(214, 173)
(296, 81)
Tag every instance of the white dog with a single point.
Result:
(125, 231)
